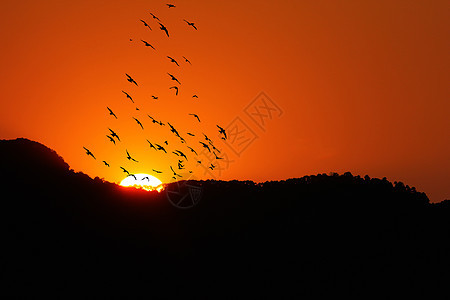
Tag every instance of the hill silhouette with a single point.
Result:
(66, 234)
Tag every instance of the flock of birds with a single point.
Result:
(204, 142)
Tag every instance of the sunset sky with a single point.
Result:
(359, 86)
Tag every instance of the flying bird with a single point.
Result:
(195, 96)
(172, 129)
(129, 157)
(170, 5)
(222, 131)
(125, 171)
(145, 24)
(156, 171)
(154, 97)
(133, 176)
(147, 44)
(186, 60)
(192, 150)
(217, 156)
(111, 139)
(131, 79)
(181, 154)
(174, 173)
(89, 152)
(205, 146)
(146, 177)
(113, 134)
(191, 24)
(111, 112)
(155, 17)
(176, 89)
(191, 134)
(212, 167)
(207, 138)
(173, 78)
(195, 116)
(139, 123)
(163, 28)
(161, 148)
(106, 164)
(151, 145)
(128, 96)
(173, 60)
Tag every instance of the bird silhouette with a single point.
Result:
(157, 171)
(176, 89)
(147, 44)
(89, 153)
(173, 78)
(172, 129)
(191, 134)
(207, 138)
(195, 96)
(139, 123)
(132, 175)
(128, 96)
(161, 148)
(163, 28)
(145, 24)
(176, 153)
(180, 166)
(155, 17)
(187, 60)
(165, 142)
(181, 154)
(131, 79)
(111, 139)
(175, 173)
(154, 97)
(111, 112)
(222, 131)
(113, 134)
(106, 164)
(192, 150)
(125, 171)
(129, 157)
(217, 156)
(151, 145)
(195, 116)
(205, 146)
(173, 60)
(153, 120)
(212, 167)
(170, 5)
(191, 24)
(146, 177)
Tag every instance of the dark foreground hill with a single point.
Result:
(65, 234)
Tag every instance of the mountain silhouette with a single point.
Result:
(66, 234)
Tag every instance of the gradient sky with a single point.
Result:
(359, 86)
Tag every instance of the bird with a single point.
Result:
(146, 177)
(145, 24)
(173, 60)
(161, 123)
(113, 134)
(89, 152)
(222, 131)
(174, 173)
(106, 164)
(129, 157)
(163, 28)
(207, 138)
(190, 24)
(151, 145)
(176, 89)
(153, 120)
(165, 142)
(154, 97)
(125, 171)
(111, 112)
(156, 171)
(139, 123)
(147, 44)
(186, 60)
(180, 166)
(128, 96)
(172, 129)
(161, 148)
(205, 146)
(170, 5)
(195, 116)
(192, 150)
(133, 176)
(131, 79)
(195, 96)
(111, 139)
(173, 78)
(191, 134)
(212, 167)
(155, 17)
(181, 154)
(176, 153)
(217, 156)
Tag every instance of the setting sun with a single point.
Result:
(143, 181)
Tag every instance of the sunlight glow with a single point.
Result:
(143, 181)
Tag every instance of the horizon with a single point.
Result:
(350, 87)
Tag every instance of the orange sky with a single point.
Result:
(362, 86)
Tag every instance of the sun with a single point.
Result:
(143, 181)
